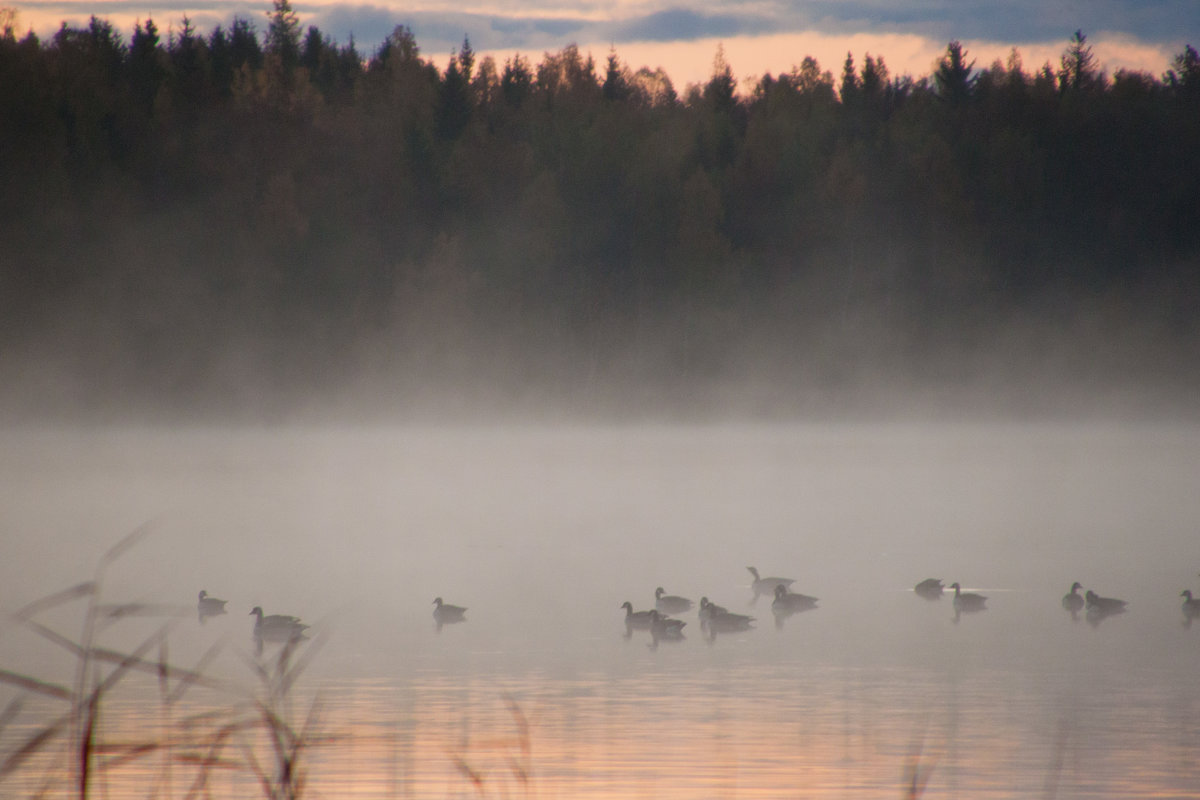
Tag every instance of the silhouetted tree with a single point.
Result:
(283, 35)
(616, 86)
(1184, 76)
(516, 82)
(953, 76)
(1078, 71)
(146, 67)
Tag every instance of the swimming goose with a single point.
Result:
(277, 627)
(1105, 605)
(664, 627)
(967, 603)
(708, 608)
(727, 622)
(670, 603)
(1073, 600)
(446, 614)
(636, 619)
(209, 606)
(930, 588)
(766, 585)
(1191, 607)
(787, 602)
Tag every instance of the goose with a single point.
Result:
(708, 609)
(766, 585)
(1073, 600)
(728, 622)
(1191, 606)
(930, 588)
(967, 603)
(1104, 605)
(446, 614)
(787, 602)
(664, 627)
(209, 606)
(636, 619)
(277, 627)
(670, 603)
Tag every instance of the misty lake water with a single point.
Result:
(544, 532)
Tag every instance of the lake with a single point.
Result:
(543, 532)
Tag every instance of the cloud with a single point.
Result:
(681, 24)
(1018, 20)
(506, 25)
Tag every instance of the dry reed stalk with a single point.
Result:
(90, 759)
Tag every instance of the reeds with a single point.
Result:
(230, 738)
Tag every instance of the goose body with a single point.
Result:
(277, 627)
(930, 588)
(767, 585)
(637, 619)
(1104, 605)
(1191, 606)
(209, 606)
(728, 622)
(1073, 601)
(670, 603)
(446, 614)
(967, 602)
(787, 602)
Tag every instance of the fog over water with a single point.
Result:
(542, 532)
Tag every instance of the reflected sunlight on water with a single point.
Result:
(762, 731)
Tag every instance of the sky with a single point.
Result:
(683, 36)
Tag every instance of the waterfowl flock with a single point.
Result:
(276, 628)
(713, 619)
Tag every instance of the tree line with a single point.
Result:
(174, 202)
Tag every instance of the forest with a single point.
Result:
(258, 223)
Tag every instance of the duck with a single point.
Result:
(1191, 606)
(766, 585)
(1104, 605)
(788, 602)
(209, 606)
(446, 614)
(664, 627)
(670, 603)
(969, 602)
(636, 619)
(277, 627)
(930, 588)
(1073, 601)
